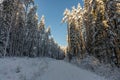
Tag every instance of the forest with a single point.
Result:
(22, 35)
(92, 30)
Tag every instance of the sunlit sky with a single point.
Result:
(53, 12)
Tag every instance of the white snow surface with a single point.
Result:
(92, 64)
(42, 69)
(1, 1)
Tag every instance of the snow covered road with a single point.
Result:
(42, 69)
(60, 70)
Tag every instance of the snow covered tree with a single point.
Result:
(88, 24)
(16, 40)
(27, 4)
(41, 34)
(100, 34)
(30, 45)
(55, 50)
(97, 36)
(76, 45)
(1, 33)
(46, 44)
(113, 18)
(95, 29)
(8, 12)
(20, 34)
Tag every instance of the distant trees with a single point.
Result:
(46, 44)
(97, 25)
(20, 33)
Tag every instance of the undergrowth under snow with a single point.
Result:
(92, 64)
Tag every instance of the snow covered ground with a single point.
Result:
(92, 64)
(42, 69)
(1, 1)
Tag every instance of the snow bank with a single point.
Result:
(60, 70)
(42, 69)
(92, 64)
(21, 68)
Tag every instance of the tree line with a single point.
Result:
(21, 34)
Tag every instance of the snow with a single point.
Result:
(21, 68)
(59, 70)
(1, 1)
(92, 64)
(42, 69)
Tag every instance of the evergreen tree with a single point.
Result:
(41, 36)
(113, 16)
(31, 33)
(16, 40)
(76, 44)
(6, 24)
(94, 29)
(20, 34)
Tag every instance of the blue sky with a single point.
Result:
(53, 12)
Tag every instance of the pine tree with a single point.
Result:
(55, 50)
(6, 25)
(76, 41)
(16, 41)
(41, 36)
(94, 28)
(20, 34)
(112, 14)
(47, 46)
(100, 34)
(1, 31)
(31, 35)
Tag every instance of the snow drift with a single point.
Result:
(92, 64)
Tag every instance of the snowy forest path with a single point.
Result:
(61, 70)
(42, 69)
